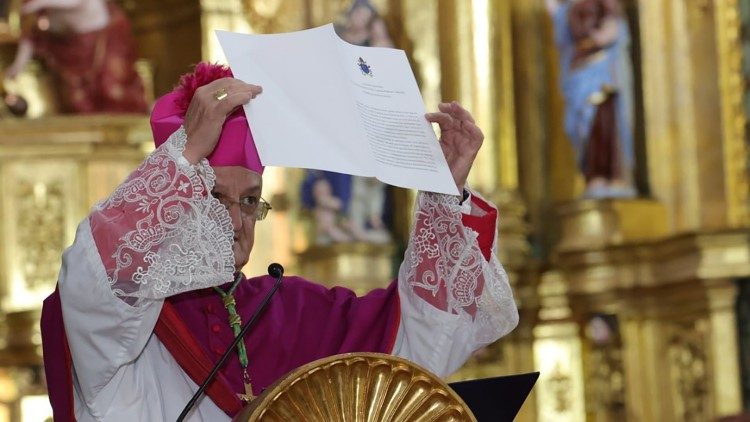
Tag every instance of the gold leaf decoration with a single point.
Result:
(358, 387)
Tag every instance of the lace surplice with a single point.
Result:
(446, 267)
(161, 233)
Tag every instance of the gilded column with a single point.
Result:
(734, 120)
(476, 64)
(648, 399)
(219, 14)
(532, 97)
(501, 57)
(172, 26)
(558, 355)
(661, 24)
(725, 359)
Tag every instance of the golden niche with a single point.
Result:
(358, 387)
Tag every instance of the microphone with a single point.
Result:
(274, 270)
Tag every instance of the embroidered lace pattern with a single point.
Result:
(161, 232)
(445, 267)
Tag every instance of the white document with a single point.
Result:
(330, 105)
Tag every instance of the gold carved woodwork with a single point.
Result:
(41, 230)
(358, 387)
(675, 298)
(604, 369)
(693, 97)
(169, 35)
(477, 69)
(40, 209)
(52, 170)
(226, 15)
(587, 224)
(605, 384)
(559, 386)
(20, 339)
(358, 266)
(734, 120)
(689, 370)
(558, 354)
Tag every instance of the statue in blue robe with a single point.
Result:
(597, 83)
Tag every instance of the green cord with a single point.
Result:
(235, 321)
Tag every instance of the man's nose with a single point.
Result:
(236, 215)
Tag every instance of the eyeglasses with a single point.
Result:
(250, 206)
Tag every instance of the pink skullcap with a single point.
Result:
(235, 147)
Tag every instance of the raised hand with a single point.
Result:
(460, 139)
(208, 110)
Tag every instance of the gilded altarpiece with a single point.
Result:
(666, 266)
(52, 170)
(662, 271)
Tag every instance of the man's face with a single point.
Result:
(237, 188)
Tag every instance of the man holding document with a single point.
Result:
(150, 294)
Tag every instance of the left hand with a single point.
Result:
(460, 139)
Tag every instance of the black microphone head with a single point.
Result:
(275, 270)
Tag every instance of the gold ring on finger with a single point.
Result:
(220, 94)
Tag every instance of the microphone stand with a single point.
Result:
(274, 270)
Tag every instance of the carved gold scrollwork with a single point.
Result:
(41, 228)
(559, 385)
(689, 370)
(733, 85)
(606, 383)
(605, 374)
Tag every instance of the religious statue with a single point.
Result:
(594, 41)
(325, 193)
(346, 208)
(362, 25)
(350, 208)
(89, 47)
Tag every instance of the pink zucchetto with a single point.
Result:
(235, 147)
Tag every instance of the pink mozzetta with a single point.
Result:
(236, 146)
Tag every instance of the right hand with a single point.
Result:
(206, 115)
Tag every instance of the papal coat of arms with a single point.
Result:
(364, 67)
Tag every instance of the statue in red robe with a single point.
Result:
(89, 47)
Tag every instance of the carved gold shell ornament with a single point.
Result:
(358, 387)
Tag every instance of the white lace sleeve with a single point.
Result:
(453, 300)
(161, 232)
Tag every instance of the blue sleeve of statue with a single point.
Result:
(562, 29)
(341, 186)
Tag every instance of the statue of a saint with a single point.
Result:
(362, 25)
(89, 47)
(346, 208)
(597, 83)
